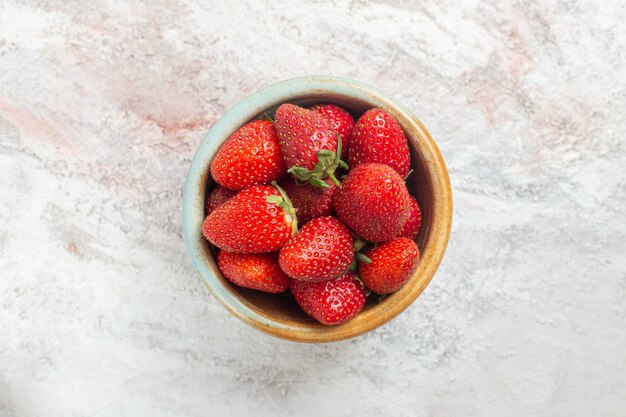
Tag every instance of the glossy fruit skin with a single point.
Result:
(250, 156)
(323, 249)
(341, 121)
(393, 263)
(373, 201)
(257, 271)
(414, 222)
(247, 223)
(378, 137)
(301, 134)
(218, 196)
(310, 202)
(330, 302)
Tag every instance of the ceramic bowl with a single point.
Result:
(279, 315)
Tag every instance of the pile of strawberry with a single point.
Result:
(355, 233)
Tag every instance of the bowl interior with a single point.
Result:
(283, 305)
(279, 315)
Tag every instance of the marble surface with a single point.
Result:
(102, 105)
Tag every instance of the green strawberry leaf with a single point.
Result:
(363, 258)
(354, 265)
(316, 182)
(284, 203)
(267, 117)
(327, 162)
(334, 179)
(274, 199)
(300, 173)
(325, 152)
(339, 144)
(359, 244)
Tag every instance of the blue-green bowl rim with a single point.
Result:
(193, 204)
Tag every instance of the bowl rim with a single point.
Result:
(271, 96)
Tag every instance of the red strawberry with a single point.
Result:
(340, 120)
(378, 137)
(250, 156)
(258, 271)
(392, 264)
(258, 219)
(309, 144)
(218, 196)
(323, 249)
(330, 302)
(309, 201)
(414, 222)
(373, 201)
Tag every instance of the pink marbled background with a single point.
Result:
(103, 103)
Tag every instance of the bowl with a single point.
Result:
(278, 314)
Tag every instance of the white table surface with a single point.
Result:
(102, 105)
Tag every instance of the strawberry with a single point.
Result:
(373, 201)
(250, 156)
(330, 302)
(218, 196)
(392, 264)
(323, 249)
(258, 219)
(310, 145)
(414, 222)
(340, 120)
(257, 271)
(309, 201)
(378, 137)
